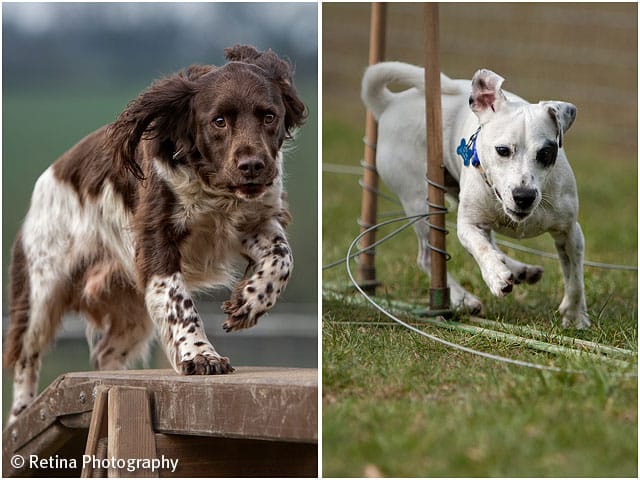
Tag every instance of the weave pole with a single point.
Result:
(439, 291)
(369, 211)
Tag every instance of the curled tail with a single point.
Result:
(375, 94)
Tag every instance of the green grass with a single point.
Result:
(398, 404)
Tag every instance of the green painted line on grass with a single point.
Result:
(528, 342)
(570, 341)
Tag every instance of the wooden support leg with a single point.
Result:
(97, 431)
(130, 430)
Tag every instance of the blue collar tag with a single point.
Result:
(467, 150)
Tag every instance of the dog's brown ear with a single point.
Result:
(487, 96)
(162, 112)
(281, 72)
(563, 114)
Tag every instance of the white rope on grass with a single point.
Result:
(447, 343)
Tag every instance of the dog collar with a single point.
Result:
(468, 152)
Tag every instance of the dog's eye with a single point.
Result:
(547, 156)
(220, 122)
(503, 151)
(269, 118)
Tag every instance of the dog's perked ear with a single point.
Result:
(282, 73)
(486, 94)
(162, 112)
(563, 114)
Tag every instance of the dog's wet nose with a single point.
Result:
(251, 166)
(524, 197)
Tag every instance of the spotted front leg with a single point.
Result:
(180, 327)
(255, 295)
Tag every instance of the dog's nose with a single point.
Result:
(250, 166)
(524, 197)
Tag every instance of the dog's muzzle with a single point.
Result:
(524, 201)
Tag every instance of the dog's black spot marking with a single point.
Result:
(269, 288)
(188, 303)
(192, 329)
(191, 319)
(198, 344)
(280, 251)
(251, 289)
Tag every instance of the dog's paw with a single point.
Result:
(500, 280)
(465, 301)
(573, 316)
(247, 304)
(579, 320)
(205, 364)
(528, 274)
(239, 318)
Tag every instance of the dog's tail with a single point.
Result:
(377, 97)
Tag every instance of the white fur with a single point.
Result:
(486, 202)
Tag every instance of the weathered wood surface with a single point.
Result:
(130, 431)
(222, 457)
(98, 428)
(259, 403)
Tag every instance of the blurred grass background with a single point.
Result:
(395, 404)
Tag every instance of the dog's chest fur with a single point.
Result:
(214, 223)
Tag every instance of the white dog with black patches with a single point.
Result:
(504, 163)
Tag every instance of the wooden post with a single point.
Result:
(98, 429)
(130, 430)
(368, 217)
(439, 292)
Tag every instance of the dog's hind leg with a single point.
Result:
(119, 327)
(37, 301)
(125, 339)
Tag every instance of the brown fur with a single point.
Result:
(18, 304)
(170, 122)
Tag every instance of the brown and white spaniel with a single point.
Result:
(172, 198)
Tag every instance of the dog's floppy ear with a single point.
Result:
(281, 72)
(162, 111)
(563, 114)
(486, 94)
